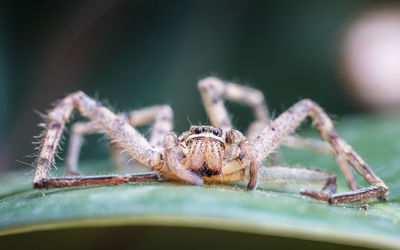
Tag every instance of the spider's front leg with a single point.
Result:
(287, 122)
(115, 127)
(161, 115)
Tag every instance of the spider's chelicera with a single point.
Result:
(205, 150)
(217, 153)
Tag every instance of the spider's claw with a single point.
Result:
(251, 186)
(382, 198)
(157, 175)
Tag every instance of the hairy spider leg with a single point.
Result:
(213, 90)
(117, 129)
(284, 174)
(161, 115)
(288, 121)
(323, 147)
(298, 175)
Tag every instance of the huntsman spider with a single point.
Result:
(216, 153)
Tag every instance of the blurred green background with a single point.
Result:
(140, 53)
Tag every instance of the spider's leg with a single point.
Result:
(75, 181)
(78, 130)
(298, 175)
(355, 195)
(308, 144)
(287, 122)
(114, 126)
(323, 147)
(161, 115)
(279, 175)
(213, 91)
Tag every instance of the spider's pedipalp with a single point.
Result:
(173, 157)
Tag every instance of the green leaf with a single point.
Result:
(274, 211)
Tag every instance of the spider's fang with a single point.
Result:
(206, 171)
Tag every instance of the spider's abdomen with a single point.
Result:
(205, 156)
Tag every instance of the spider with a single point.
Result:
(217, 153)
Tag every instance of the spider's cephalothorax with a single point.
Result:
(216, 153)
(205, 149)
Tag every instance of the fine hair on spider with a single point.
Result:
(206, 153)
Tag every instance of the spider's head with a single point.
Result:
(206, 146)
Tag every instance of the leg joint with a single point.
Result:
(211, 83)
(308, 103)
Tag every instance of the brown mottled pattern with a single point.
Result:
(94, 180)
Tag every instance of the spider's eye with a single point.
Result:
(203, 129)
(197, 130)
(217, 132)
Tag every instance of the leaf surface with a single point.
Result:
(278, 211)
